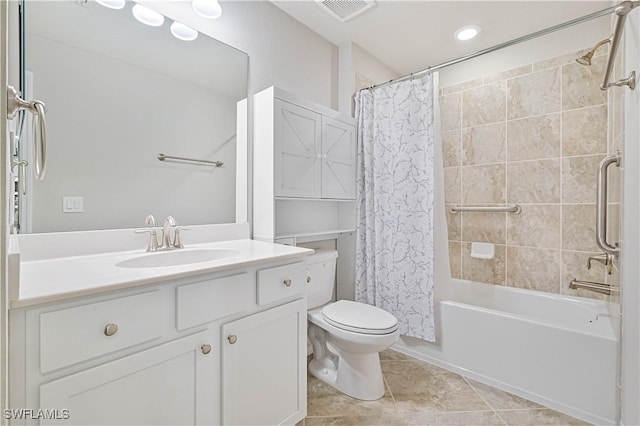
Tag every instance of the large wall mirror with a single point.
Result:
(118, 94)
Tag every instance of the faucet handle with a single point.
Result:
(176, 237)
(150, 220)
(604, 258)
(153, 239)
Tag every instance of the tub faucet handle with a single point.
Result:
(605, 258)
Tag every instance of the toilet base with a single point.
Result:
(355, 374)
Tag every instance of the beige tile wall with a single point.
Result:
(534, 136)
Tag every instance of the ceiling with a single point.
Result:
(409, 36)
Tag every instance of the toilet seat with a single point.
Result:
(359, 318)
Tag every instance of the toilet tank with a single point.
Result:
(321, 267)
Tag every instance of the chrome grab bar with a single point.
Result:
(38, 109)
(513, 208)
(163, 157)
(622, 9)
(593, 286)
(601, 204)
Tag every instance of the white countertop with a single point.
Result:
(57, 279)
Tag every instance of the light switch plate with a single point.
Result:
(72, 204)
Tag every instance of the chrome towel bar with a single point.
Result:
(163, 157)
(593, 286)
(512, 208)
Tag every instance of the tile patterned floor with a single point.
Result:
(418, 393)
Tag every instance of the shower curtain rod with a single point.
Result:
(510, 43)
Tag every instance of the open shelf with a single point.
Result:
(305, 237)
(340, 200)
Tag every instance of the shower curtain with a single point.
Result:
(394, 235)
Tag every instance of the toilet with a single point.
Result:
(346, 336)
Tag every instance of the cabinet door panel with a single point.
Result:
(297, 151)
(265, 367)
(174, 383)
(338, 159)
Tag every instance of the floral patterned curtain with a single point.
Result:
(394, 244)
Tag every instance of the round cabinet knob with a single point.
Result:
(110, 329)
(308, 279)
(205, 349)
(287, 282)
(232, 338)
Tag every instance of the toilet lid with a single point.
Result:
(359, 318)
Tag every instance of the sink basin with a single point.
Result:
(177, 257)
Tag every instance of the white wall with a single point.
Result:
(549, 46)
(106, 151)
(367, 65)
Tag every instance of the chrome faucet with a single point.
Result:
(169, 223)
(167, 243)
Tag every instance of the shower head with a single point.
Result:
(586, 58)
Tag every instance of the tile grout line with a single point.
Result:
(466, 380)
(384, 379)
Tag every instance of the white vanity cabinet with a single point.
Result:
(163, 353)
(176, 383)
(262, 367)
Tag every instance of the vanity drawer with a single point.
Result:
(209, 300)
(281, 282)
(72, 335)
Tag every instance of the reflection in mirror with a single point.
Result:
(118, 94)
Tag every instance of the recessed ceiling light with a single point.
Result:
(467, 32)
(112, 4)
(183, 32)
(147, 16)
(209, 9)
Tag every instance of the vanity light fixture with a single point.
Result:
(147, 16)
(209, 9)
(467, 32)
(183, 32)
(112, 4)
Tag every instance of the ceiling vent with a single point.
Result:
(343, 10)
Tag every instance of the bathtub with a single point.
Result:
(555, 350)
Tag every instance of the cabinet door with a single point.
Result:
(338, 159)
(297, 151)
(174, 383)
(264, 368)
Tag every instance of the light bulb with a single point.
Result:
(183, 32)
(467, 32)
(147, 16)
(209, 9)
(112, 4)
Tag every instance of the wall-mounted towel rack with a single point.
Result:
(512, 208)
(601, 288)
(163, 157)
(622, 9)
